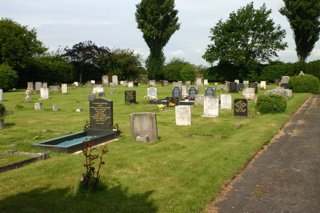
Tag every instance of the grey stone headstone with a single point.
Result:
(115, 80)
(101, 115)
(37, 106)
(54, 88)
(285, 82)
(38, 85)
(1, 95)
(152, 83)
(211, 106)
(30, 86)
(241, 86)
(144, 126)
(210, 91)
(183, 115)
(152, 93)
(55, 107)
(64, 88)
(44, 93)
(241, 107)
(188, 83)
(233, 87)
(255, 86)
(198, 99)
(177, 93)
(105, 80)
(226, 101)
(44, 85)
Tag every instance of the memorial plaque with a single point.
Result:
(192, 93)
(233, 87)
(241, 107)
(130, 96)
(210, 91)
(101, 114)
(176, 92)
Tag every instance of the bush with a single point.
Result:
(271, 104)
(304, 83)
(8, 77)
(188, 73)
(276, 71)
(172, 70)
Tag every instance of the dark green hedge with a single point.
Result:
(8, 77)
(304, 83)
(271, 104)
(272, 73)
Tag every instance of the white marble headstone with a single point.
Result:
(115, 80)
(44, 93)
(263, 84)
(152, 93)
(226, 101)
(199, 82)
(211, 106)
(249, 93)
(183, 115)
(64, 88)
(105, 80)
(130, 84)
(97, 88)
(1, 95)
(38, 86)
(205, 82)
(30, 86)
(237, 81)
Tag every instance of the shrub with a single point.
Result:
(304, 83)
(8, 77)
(276, 71)
(271, 104)
(172, 71)
(188, 73)
(313, 68)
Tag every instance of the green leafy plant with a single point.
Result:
(8, 77)
(304, 83)
(91, 178)
(271, 104)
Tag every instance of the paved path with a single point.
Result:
(286, 176)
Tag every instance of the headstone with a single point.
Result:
(93, 82)
(37, 106)
(38, 86)
(44, 85)
(246, 83)
(101, 116)
(115, 80)
(125, 83)
(211, 106)
(237, 81)
(1, 95)
(210, 91)
(44, 93)
(255, 86)
(144, 126)
(301, 73)
(54, 88)
(105, 80)
(184, 90)
(183, 115)
(233, 87)
(130, 84)
(121, 82)
(177, 84)
(192, 93)
(286, 93)
(172, 101)
(199, 82)
(152, 93)
(241, 86)
(226, 101)
(76, 84)
(285, 82)
(113, 88)
(188, 83)
(130, 96)
(91, 97)
(98, 88)
(102, 94)
(55, 107)
(263, 84)
(152, 83)
(198, 99)
(30, 86)
(79, 110)
(249, 93)
(64, 88)
(136, 83)
(241, 107)
(27, 96)
(165, 83)
(205, 82)
(176, 92)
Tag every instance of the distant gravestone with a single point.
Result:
(27, 98)
(249, 93)
(92, 82)
(121, 82)
(263, 84)
(38, 86)
(55, 107)
(97, 88)
(91, 97)
(188, 83)
(101, 116)
(177, 84)
(165, 83)
(177, 93)
(210, 91)
(54, 88)
(233, 87)
(64, 88)
(76, 84)
(130, 96)
(254, 85)
(241, 107)
(199, 82)
(183, 115)
(172, 100)
(246, 83)
(105, 80)
(285, 82)
(152, 83)
(226, 101)
(198, 99)
(144, 125)
(1, 95)
(152, 93)
(136, 83)
(241, 86)
(102, 94)
(184, 90)
(115, 80)
(44, 85)
(125, 83)
(44, 93)
(205, 82)
(237, 81)
(30, 86)
(113, 88)
(211, 106)
(37, 106)
(130, 84)
(192, 93)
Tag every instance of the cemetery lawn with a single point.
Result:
(182, 172)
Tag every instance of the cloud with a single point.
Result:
(177, 53)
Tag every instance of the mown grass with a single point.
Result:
(182, 172)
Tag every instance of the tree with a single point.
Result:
(247, 38)
(304, 19)
(172, 70)
(8, 77)
(157, 19)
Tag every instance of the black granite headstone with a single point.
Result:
(255, 86)
(210, 91)
(233, 87)
(192, 92)
(241, 107)
(177, 93)
(130, 96)
(101, 115)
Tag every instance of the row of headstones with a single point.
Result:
(55, 107)
(54, 88)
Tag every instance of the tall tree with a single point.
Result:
(304, 19)
(247, 38)
(158, 20)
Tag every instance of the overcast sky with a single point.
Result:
(111, 23)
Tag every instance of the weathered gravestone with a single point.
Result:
(91, 97)
(55, 107)
(211, 106)
(198, 99)
(188, 83)
(241, 107)
(285, 82)
(144, 126)
(38, 86)
(125, 83)
(184, 90)
(105, 80)
(44, 85)
(205, 82)
(183, 115)
(152, 93)
(101, 116)
(192, 93)
(44, 93)
(226, 101)
(249, 93)
(54, 88)
(97, 88)
(152, 83)
(165, 83)
(130, 84)
(233, 87)
(254, 85)
(199, 82)
(130, 96)
(263, 84)
(64, 88)
(210, 91)
(113, 88)
(1, 95)
(240, 86)
(30, 86)
(115, 80)
(177, 84)
(176, 92)
(246, 83)
(37, 106)
(237, 81)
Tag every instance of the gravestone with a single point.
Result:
(91, 97)
(27, 98)
(144, 125)
(105, 80)
(55, 107)
(30, 86)
(136, 83)
(101, 116)
(54, 88)
(177, 84)
(125, 83)
(76, 84)
(172, 100)
(165, 83)
(210, 91)
(226, 101)
(233, 87)
(183, 115)
(241, 86)
(176, 92)
(64, 88)
(286, 93)
(97, 88)
(255, 86)
(237, 81)
(198, 99)
(241, 107)
(44, 93)
(152, 93)
(113, 88)
(45, 85)
(263, 84)
(37, 106)
(188, 83)
(102, 94)
(130, 96)
(205, 82)
(192, 93)
(38, 86)
(211, 106)
(199, 82)
(285, 82)
(184, 91)
(246, 83)
(93, 82)
(130, 84)
(249, 93)
(1, 95)
(115, 80)
(121, 82)
(152, 83)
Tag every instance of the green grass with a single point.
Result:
(182, 172)
(12, 158)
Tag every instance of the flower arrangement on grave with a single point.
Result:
(161, 107)
(171, 104)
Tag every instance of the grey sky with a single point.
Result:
(112, 23)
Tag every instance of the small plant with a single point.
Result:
(271, 104)
(91, 178)
(161, 107)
